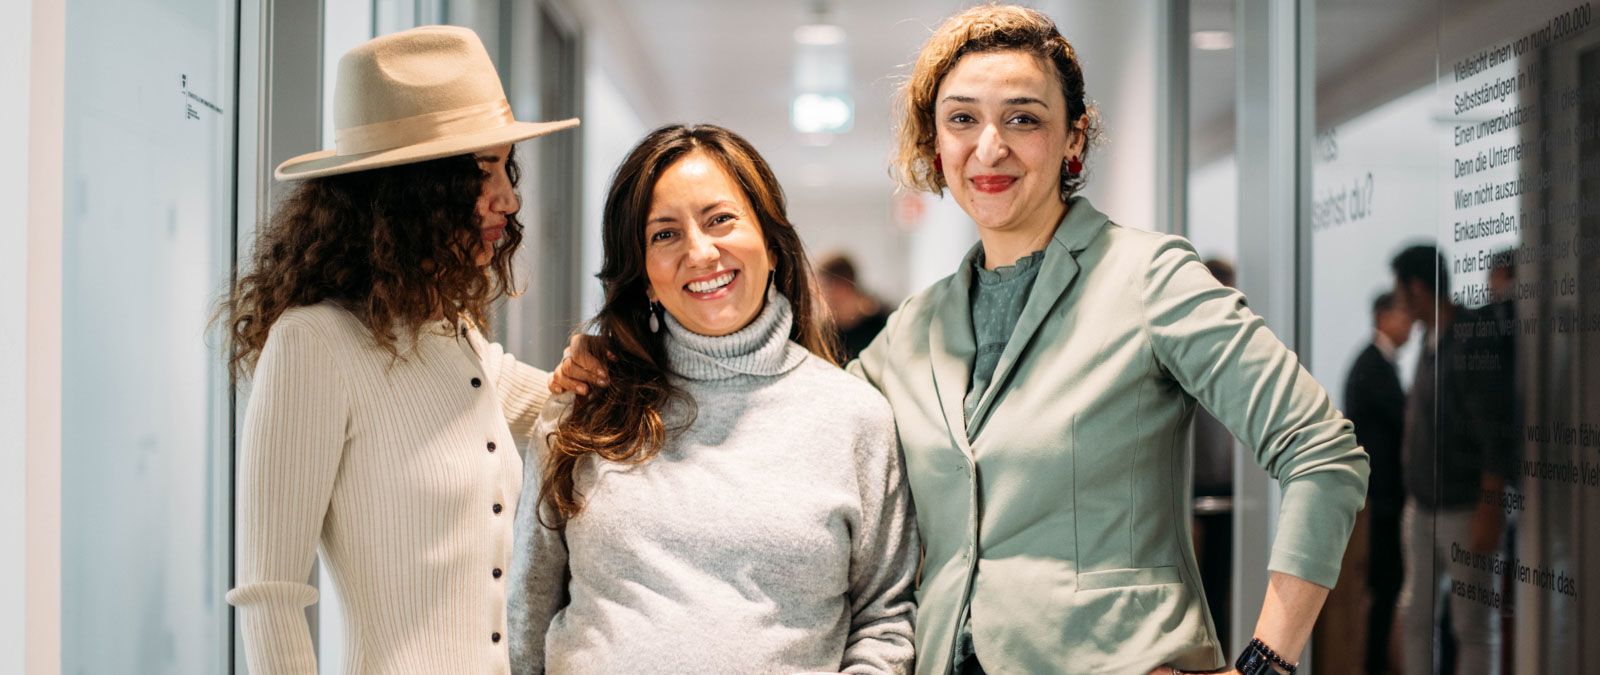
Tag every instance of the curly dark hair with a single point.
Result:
(626, 421)
(394, 246)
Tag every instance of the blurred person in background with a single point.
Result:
(857, 316)
(732, 501)
(1375, 402)
(1454, 460)
(381, 423)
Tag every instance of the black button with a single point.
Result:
(497, 508)
(495, 637)
(477, 382)
(491, 446)
(497, 573)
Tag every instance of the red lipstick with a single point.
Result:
(993, 184)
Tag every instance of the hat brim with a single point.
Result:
(329, 162)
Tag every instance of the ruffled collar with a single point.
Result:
(761, 349)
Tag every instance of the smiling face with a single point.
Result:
(1002, 134)
(497, 201)
(705, 255)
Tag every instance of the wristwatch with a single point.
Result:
(1258, 659)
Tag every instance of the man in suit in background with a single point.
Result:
(1375, 402)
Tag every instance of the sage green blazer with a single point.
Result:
(1062, 523)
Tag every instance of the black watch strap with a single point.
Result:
(1258, 659)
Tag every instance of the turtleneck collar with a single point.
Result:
(761, 348)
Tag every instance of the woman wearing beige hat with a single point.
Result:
(380, 421)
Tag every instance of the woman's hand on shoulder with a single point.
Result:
(580, 366)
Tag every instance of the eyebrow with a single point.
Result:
(665, 218)
(1017, 100)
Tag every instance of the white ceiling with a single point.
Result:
(729, 62)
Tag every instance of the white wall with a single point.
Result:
(1119, 46)
(1396, 143)
(14, 62)
(1213, 223)
(611, 127)
(945, 235)
(32, 62)
(863, 229)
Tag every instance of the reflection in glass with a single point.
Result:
(1470, 196)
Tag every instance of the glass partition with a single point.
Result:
(1454, 315)
(149, 185)
(1212, 224)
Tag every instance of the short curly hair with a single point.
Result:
(984, 28)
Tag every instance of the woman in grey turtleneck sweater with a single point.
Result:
(733, 502)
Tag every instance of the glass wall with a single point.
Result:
(1453, 312)
(149, 170)
(1212, 224)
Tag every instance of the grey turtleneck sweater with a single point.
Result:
(774, 535)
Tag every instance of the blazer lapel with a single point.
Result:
(951, 346)
(1080, 226)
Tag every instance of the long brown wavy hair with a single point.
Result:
(393, 246)
(626, 421)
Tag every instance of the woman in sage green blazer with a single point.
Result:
(1043, 393)
(1044, 427)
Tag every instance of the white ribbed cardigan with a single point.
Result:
(408, 474)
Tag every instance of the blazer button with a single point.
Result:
(497, 509)
(476, 383)
(491, 446)
(495, 637)
(497, 573)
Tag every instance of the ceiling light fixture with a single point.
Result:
(822, 102)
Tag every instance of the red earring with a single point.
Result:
(1074, 166)
(938, 163)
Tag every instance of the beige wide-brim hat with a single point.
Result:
(416, 95)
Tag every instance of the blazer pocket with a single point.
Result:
(1128, 576)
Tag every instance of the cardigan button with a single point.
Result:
(491, 446)
(497, 509)
(476, 383)
(495, 637)
(497, 573)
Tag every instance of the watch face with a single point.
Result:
(1252, 662)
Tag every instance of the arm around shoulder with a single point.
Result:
(523, 390)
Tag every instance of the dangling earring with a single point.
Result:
(1070, 168)
(655, 323)
(938, 163)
